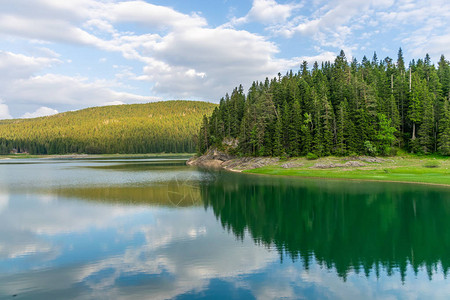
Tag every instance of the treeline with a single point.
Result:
(373, 107)
(167, 126)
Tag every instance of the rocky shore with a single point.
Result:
(217, 159)
(214, 158)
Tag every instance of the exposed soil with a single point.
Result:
(214, 158)
(352, 163)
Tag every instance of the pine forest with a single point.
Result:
(373, 107)
(167, 126)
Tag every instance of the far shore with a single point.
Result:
(93, 156)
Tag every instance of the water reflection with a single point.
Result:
(84, 230)
(344, 226)
(72, 249)
(173, 193)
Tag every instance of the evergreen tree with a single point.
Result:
(278, 138)
(418, 93)
(307, 129)
(295, 126)
(444, 129)
(385, 134)
(341, 127)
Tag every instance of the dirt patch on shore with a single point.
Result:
(217, 159)
(292, 164)
(248, 163)
(352, 163)
(370, 159)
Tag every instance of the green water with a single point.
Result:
(156, 229)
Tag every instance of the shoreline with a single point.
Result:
(336, 168)
(421, 170)
(91, 156)
(344, 178)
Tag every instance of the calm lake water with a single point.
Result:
(156, 229)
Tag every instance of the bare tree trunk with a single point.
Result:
(410, 80)
(392, 83)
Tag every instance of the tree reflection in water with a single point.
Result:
(344, 226)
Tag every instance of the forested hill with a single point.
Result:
(339, 108)
(167, 126)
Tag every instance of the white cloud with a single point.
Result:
(355, 25)
(267, 12)
(114, 103)
(61, 89)
(427, 23)
(151, 15)
(20, 85)
(4, 112)
(181, 56)
(14, 66)
(207, 62)
(46, 29)
(40, 112)
(329, 22)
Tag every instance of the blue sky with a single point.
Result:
(58, 55)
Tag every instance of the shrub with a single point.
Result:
(431, 164)
(394, 151)
(311, 156)
(370, 149)
(353, 154)
(284, 156)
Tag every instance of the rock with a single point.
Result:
(354, 163)
(289, 165)
(230, 142)
(247, 163)
(213, 158)
(370, 159)
(323, 166)
(351, 163)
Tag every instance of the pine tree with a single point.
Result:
(385, 134)
(444, 76)
(444, 130)
(393, 113)
(425, 131)
(416, 105)
(295, 130)
(278, 138)
(328, 124)
(307, 130)
(341, 127)
(286, 122)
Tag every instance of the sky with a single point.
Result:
(57, 56)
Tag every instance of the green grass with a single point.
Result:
(403, 169)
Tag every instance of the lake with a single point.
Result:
(157, 229)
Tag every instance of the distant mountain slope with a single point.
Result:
(166, 126)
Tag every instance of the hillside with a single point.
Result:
(167, 126)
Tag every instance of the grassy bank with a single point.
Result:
(430, 170)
